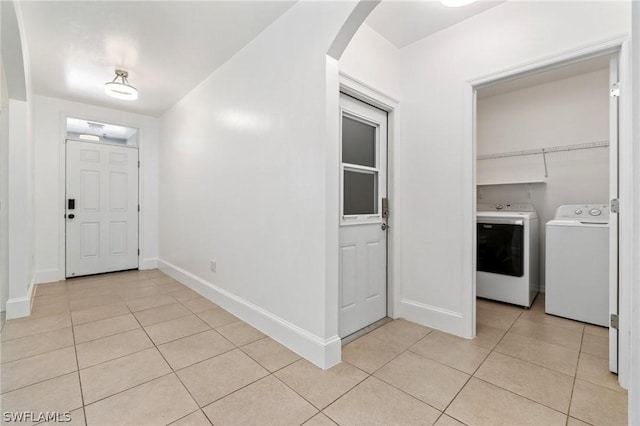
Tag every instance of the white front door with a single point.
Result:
(101, 208)
(363, 239)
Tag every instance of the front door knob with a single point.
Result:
(71, 216)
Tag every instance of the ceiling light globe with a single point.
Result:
(121, 91)
(456, 3)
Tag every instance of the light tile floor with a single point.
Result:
(139, 348)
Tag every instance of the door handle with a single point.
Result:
(71, 216)
(384, 226)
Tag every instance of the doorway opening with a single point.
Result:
(101, 198)
(364, 210)
(546, 238)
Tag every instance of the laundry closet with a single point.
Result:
(543, 142)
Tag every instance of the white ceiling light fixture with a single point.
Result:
(456, 3)
(121, 89)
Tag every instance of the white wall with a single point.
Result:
(50, 130)
(18, 156)
(436, 164)
(19, 209)
(564, 112)
(634, 383)
(4, 189)
(244, 160)
(372, 60)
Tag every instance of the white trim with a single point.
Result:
(550, 62)
(469, 194)
(62, 182)
(122, 145)
(625, 170)
(362, 91)
(634, 374)
(441, 319)
(148, 263)
(627, 213)
(49, 276)
(19, 307)
(322, 352)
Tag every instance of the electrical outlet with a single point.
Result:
(212, 265)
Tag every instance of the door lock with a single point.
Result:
(385, 207)
(384, 226)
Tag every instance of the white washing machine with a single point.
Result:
(507, 253)
(577, 263)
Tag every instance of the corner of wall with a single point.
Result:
(434, 317)
(49, 276)
(148, 263)
(21, 306)
(324, 353)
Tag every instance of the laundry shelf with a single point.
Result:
(512, 182)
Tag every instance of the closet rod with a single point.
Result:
(540, 151)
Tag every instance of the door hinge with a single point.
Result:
(138, 207)
(614, 321)
(138, 252)
(615, 206)
(614, 90)
(138, 164)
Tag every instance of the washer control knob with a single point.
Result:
(578, 212)
(595, 212)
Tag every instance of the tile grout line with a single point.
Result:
(172, 372)
(75, 350)
(272, 373)
(510, 391)
(479, 365)
(575, 377)
(169, 364)
(372, 375)
(37, 354)
(70, 311)
(525, 397)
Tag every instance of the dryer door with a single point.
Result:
(501, 248)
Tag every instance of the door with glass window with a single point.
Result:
(363, 215)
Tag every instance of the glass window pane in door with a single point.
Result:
(358, 143)
(360, 192)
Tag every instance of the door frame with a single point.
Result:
(621, 45)
(62, 185)
(367, 94)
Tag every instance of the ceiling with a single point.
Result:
(583, 67)
(168, 47)
(404, 22)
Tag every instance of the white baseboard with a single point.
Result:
(324, 353)
(433, 317)
(148, 263)
(19, 307)
(49, 276)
